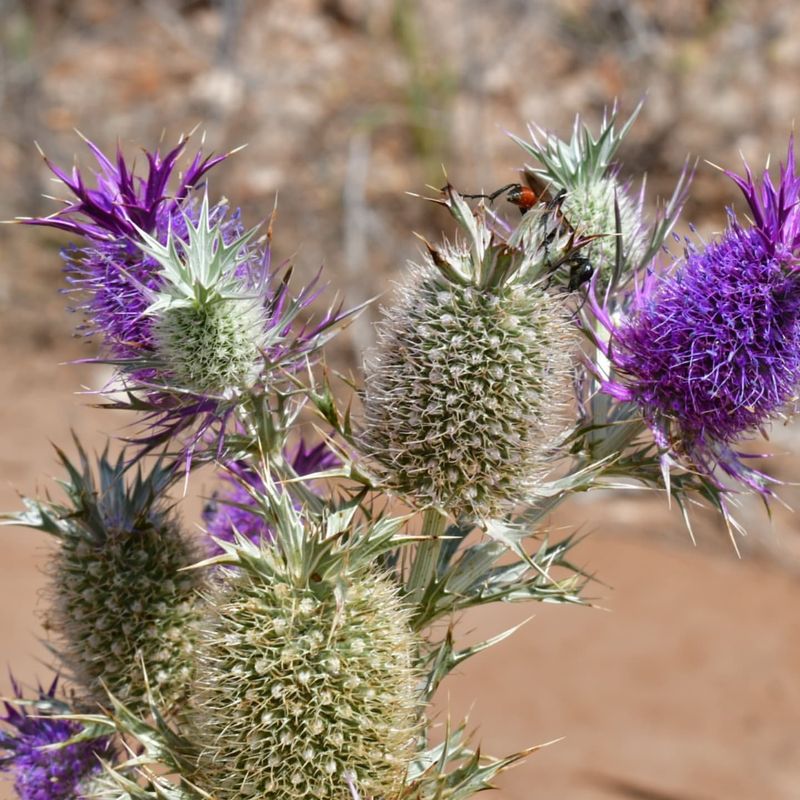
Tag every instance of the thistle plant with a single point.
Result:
(297, 655)
(121, 604)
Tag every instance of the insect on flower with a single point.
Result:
(536, 192)
(526, 196)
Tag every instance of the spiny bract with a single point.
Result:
(113, 785)
(303, 687)
(462, 396)
(120, 600)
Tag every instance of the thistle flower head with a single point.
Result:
(120, 596)
(462, 395)
(108, 270)
(711, 350)
(183, 299)
(210, 324)
(305, 669)
(43, 772)
(235, 511)
(595, 200)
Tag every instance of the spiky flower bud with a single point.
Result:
(463, 394)
(120, 600)
(188, 310)
(583, 169)
(592, 206)
(209, 320)
(305, 671)
(107, 270)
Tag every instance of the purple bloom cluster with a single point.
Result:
(110, 271)
(711, 350)
(47, 774)
(235, 511)
(118, 279)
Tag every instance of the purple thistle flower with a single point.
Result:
(109, 271)
(235, 510)
(184, 300)
(123, 201)
(47, 774)
(710, 351)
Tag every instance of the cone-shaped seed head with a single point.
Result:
(301, 687)
(124, 600)
(119, 597)
(464, 393)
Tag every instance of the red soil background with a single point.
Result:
(684, 687)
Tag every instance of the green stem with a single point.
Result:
(270, 437)
(426, 558)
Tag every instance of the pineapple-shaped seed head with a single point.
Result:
(464, 392)
(305, 668)
(120, 598)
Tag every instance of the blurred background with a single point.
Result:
(684, 686)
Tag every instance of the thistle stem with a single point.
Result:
(426, 558)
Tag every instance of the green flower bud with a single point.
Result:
(209, 322)
(590, 206)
